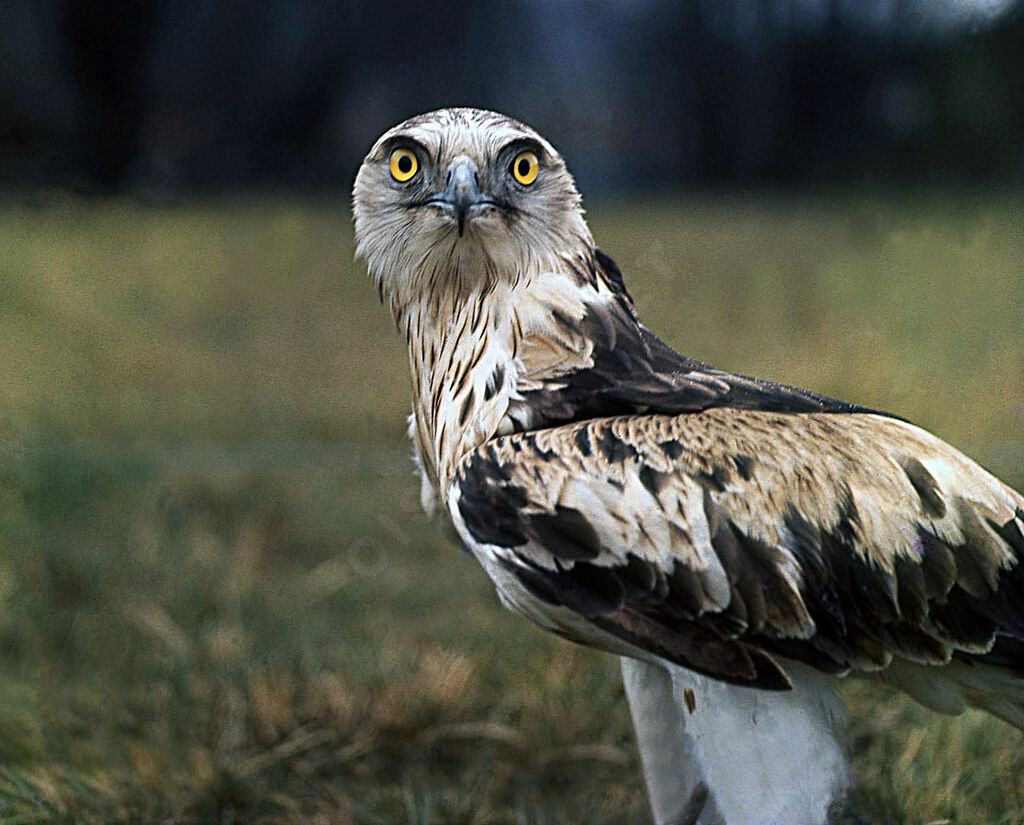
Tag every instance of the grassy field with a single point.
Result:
(219, 601)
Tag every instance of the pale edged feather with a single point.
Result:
(726, 539)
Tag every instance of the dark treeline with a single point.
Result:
(155, 95)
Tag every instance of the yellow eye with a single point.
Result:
(403, 165)
(525, 168)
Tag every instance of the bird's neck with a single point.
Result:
(473, 356)
(461, 355)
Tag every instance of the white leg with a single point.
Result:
(769, 758)
(675, 785)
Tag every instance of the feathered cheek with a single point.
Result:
(487, 221)
(384, 255)
(422, 228)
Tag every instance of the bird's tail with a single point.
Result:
(993, 682)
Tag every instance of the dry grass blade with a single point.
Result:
(591, 752)
(155, 621)
(462, 731)
(298, 742)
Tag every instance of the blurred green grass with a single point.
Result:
(220, 602)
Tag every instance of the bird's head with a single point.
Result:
(454, 200)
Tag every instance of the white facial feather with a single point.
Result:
(413, 248)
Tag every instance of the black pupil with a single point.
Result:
(524, 167)
(405, 164)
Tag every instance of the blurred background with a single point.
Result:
(219, 599)
(159, 96)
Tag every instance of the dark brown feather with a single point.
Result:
(634, 371)
(827, 591)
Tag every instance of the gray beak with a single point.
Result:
(463, 190)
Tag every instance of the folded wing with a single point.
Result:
(722, 539)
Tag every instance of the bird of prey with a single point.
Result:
(739, 543)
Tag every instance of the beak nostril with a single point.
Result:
(448, 178)
(476, 179)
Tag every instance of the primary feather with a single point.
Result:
(741, 536)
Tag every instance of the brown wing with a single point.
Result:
(619, 367)
(721, 538)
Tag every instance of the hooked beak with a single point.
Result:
(462, 192)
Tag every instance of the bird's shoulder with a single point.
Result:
(611, 364)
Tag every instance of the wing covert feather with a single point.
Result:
(721, 538)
